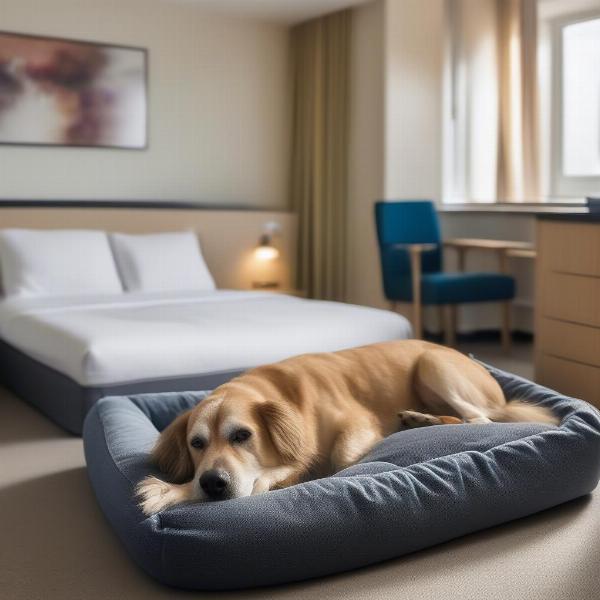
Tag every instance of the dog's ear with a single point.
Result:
(285, 426)
(171, 453)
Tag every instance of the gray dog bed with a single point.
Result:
(415, 489)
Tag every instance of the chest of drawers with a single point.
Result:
(567, 354)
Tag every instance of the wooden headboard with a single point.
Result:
(228, 236)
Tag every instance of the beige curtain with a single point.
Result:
(518, 144)
(321, 60)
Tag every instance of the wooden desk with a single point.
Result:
(505, 248)
(521, 253)
(484, 244)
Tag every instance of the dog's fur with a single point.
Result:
(316, 414)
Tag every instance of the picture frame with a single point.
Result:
(72, 93)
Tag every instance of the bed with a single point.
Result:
(63, 353)
(89, 312)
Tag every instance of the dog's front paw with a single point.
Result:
(155, 495)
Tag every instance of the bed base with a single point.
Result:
(66, 402)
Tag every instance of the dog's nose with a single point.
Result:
(215, 483)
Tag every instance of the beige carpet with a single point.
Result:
(55, 544)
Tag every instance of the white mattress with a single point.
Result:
(132, 337)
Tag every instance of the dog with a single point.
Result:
(315, 414)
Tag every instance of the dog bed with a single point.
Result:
(415, 489)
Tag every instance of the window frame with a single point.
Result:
(565, 185)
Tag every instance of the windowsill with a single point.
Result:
(516, 208)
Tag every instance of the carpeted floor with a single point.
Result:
(55, 544)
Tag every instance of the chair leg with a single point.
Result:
(417, 318)
(454, 323)
(417, 309)
(450, 325)
(506, 334)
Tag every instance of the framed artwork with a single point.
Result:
(58, 92)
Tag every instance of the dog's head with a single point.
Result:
(233, 444)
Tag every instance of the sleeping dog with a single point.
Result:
(316, 414)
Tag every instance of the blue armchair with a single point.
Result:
(411, 247)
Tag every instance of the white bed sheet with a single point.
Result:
(132, 337)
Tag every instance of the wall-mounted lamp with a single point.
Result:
(265, 249)
(266, 253)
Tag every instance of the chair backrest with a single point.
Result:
(409, 222)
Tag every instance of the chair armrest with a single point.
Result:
(416, 248)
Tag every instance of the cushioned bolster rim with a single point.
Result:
(98, 465)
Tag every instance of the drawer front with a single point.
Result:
(568, 340)
(571, 247)
(569, 378)
(570, 298)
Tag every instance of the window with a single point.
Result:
(576, 112)
(522, 101)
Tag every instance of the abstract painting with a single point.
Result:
(70, 93)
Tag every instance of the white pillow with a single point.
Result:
(161, 262)
(55, 262)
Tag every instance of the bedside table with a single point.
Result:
(278, 290)
(297, 293)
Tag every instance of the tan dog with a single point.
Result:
(315, 414)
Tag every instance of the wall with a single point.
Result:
(551, 9)
(366, 155)
(219, 100)
(414, 36)
(472, 116)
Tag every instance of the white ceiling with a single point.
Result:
(279, 11)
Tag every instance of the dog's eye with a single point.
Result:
(198, 443)
(239, 436)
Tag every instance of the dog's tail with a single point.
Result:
(518, 411)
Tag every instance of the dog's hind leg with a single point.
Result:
(449, 382)
(410, 419)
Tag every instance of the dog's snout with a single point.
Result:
(215, 483)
